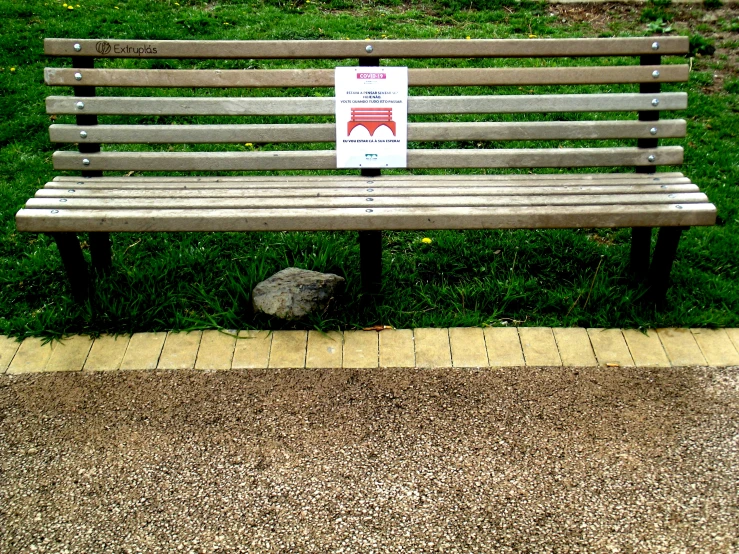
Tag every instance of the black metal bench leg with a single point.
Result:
(664, 256)
(370, 260)
(641, 247)
(74, 263)
(100, 251)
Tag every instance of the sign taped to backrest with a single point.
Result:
(371, 116)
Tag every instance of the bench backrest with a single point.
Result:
(467, 97)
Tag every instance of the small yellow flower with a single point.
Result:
(532, 36)
(384, 36)
(12, 69)
(225, 23)
(468, 38)
(176, 4)
(116, 8)
(70, 7)
(426, 240)
(64, 5)
(248, 145)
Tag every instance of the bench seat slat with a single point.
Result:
(528, 103)
(306, 49)
(376, 191)
(309, 180)
(370, 201)
(326, 219)
(326, 159)
(326, 132)
(275, 78)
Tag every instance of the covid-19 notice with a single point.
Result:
(371, 116)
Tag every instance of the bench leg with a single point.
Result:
(74, 264)
(641, 246)
(100, 251)
(370, 260)
(664, 256)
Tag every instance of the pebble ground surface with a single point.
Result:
(384, 460)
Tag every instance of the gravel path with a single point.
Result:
(515, 460)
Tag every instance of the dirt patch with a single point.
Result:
(526, 459)
(718, 28)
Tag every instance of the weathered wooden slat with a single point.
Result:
(346, 180)
(326, 159)
(421, 105)
(306, 49)
(371, 201)
(550, 103)
(191, 106)
(360, 192)
(276, 78)
(515, 217)
(280, 133)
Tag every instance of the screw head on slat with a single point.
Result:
(370, 190)
(655, 46)
(370, 199)
(370, 182)
(85, 161)
(653, 131)
(655, 102)
(78, 76)
(62, 200)
(77, 47)
(679, 207)
(55, 211)
(670, 196)
(655, 73)
(71, 190)
(80, 105)
(651, 158)
(369, 49)
(368, 211)
(83, 134)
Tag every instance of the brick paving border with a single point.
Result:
(455, 347)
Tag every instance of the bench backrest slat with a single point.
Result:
(494, 104)
(342, 49)
(326, 132)
(225, 181)
(325, 159)
(311, 78)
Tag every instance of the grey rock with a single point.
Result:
(293, 293)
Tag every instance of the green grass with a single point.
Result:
(187, 280)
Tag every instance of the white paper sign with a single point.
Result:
(371, 116)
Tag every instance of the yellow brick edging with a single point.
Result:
(424, 348)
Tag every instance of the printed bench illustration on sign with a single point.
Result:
(371, 119)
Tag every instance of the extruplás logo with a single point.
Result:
(103, 47)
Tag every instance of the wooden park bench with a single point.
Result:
(532, 77)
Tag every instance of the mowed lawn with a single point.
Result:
(474, 278)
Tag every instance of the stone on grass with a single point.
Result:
(293, 293)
